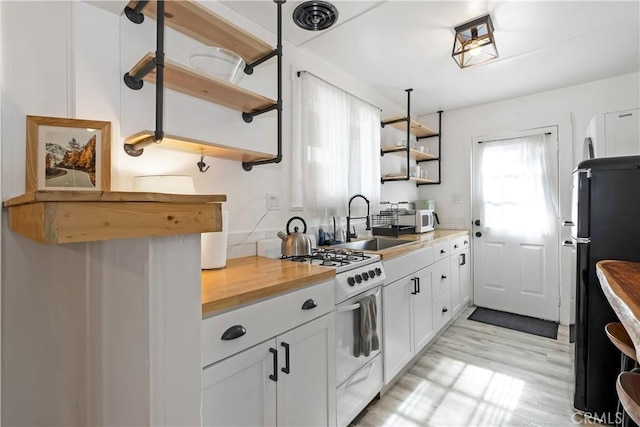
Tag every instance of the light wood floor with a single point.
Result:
(482, 375)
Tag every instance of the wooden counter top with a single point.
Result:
(419, 241)
(86, 216)
(620, 282)
(250, 279)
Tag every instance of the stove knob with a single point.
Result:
(378, 271)
(365, 276)
(358, 278)
(372, 274)
(351, 281)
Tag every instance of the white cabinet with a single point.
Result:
(306, 390)
(407, 311)
(272, 362)
(397, 327)
(238, 391)
(460, 280)
(622, 133)
(441, 293)
(460, 274)
(285, 381)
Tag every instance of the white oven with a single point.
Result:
(358, 379)
(346, 363)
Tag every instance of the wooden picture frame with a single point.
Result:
(68, 154)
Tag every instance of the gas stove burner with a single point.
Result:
(328, 263)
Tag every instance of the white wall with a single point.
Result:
(579, 102)
(103, 333)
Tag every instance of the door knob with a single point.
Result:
(476, 222)
(478, 234)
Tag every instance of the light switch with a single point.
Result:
(456, 198)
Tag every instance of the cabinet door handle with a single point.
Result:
(445, 309)
(463, 258)
(455, 246)
(444, 276)
(415, 286)
(236, 331)
(309, 304)
(418, 279)
(274, 376)
(287, 367)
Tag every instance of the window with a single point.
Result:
(336, 148)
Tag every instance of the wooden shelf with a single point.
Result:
(413, 153)
(85, 216)
(416, 128)
(203, 148)
(411, 179)
(194, 83)
(201, 24)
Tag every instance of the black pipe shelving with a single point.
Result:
(420, 131)
(186, 17)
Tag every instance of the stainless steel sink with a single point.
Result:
(375, 244)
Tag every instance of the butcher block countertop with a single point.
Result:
(250, 279)
(419, 241)
(86, 216)
(620, 282)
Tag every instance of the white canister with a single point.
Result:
(213, 251)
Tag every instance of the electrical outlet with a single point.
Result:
(273, 201)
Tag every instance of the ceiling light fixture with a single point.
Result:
(474, 42)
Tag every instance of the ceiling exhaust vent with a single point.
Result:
(315, 15)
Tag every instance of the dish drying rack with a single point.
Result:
(387, 222)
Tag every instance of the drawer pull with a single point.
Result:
(274, 376)
(455, 246)
(463, 259)
(236, 331)
(466, 242)
(309, 304)
(445, 309)
(287, 366)
(442, 251)
(444, 276)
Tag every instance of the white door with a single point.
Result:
(238, 391)
(516, 224)
(306, 381)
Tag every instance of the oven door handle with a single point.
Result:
(353, 306)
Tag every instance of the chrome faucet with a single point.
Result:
(349, 218)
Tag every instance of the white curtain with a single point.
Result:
(336, 148)
(516, 187)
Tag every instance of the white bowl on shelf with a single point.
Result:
(218, 62)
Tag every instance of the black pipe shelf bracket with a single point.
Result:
(248, 117)
(136, 81)
(407, 148)
(439, 158)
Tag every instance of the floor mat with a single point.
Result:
(530, 325)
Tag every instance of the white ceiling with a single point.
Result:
(394, 45)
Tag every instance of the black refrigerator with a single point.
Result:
(606, 225)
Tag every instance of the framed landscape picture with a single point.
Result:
(68, 154)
